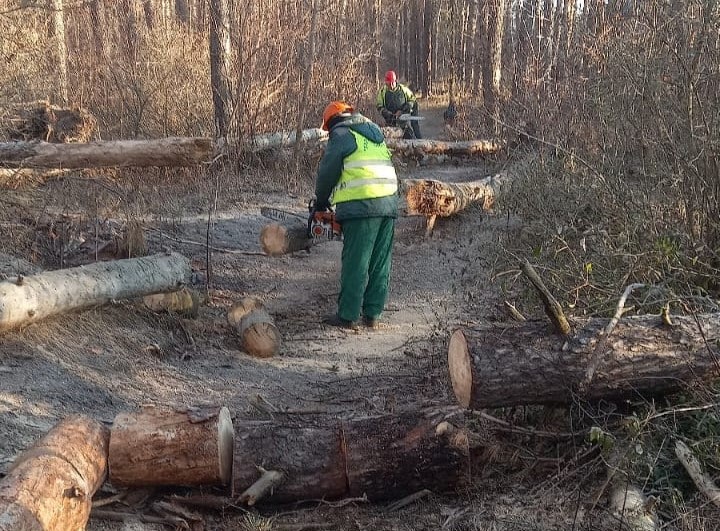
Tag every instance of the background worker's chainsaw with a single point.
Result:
(321, 225)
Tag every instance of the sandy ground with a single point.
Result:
(117, 358)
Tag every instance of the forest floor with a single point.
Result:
(114, 359)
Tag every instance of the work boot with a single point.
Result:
(372, 323)
(335, 320)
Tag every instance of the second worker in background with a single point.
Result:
(356, 175)
(395, 99)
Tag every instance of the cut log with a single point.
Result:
(51, 485)
(157, 446)
(277, 239)
(419, 148)
(24, 300)
(382, 457)
(178, 151)
(284, 139)
(428, 197)
(185, 302)
(255, 327)
(527, 364)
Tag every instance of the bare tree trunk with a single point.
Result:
(220, 66)
(59, 27)
(130, 38)
(307, 75)
(97, 25)
(181, 11)
(149, 12)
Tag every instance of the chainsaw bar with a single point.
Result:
(281, 215)
(410, 118)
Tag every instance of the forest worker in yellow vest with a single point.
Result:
(357, 176)
(395, 99)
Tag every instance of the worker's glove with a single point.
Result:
(387, 114)
(406, 107)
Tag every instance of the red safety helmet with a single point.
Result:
(333, 109)
(390, 77)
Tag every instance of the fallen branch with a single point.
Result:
(694, 469)
(265, 483)
(552, 307)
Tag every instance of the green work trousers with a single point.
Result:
(366, 259)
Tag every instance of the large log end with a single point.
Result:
(460, 367)
(274, 239)
(226, 441)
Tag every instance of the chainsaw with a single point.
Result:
(321, 225)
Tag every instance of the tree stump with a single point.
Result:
(255, 327)
(158, 446)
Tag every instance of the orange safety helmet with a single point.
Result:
(333, 109)
(390, 77)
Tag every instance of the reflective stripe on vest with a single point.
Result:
(368, 173)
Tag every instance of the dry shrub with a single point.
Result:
(51, 123)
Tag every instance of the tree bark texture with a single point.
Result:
(277, 239)
(157, 446)
(381, 457)
(51, 485)
(428, 197)
(25, 300)
(439, 147)
(253, 324)
(177, 151)
(528, 364)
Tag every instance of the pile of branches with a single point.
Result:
(50, 123)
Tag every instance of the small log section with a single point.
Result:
(420, 148)
(277, 239)
(24, 300)
(173, 151)
(431, 198)
(157, 446)
(381, 457)
(527, 364)
(185, 302)
(256, 329)
(51, 485)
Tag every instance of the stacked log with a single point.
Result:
(529, 364)
(158, 446)
(255, 328)
(51, 485)
(24, 300)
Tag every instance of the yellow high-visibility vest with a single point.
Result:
(368, 173)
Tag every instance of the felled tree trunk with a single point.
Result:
(284, 139)
(528, 364)
(439, 147)
(51, 485)
(278, 239)
(114, 153)
(158, 446)
(25, 300)
(431, 198)
(382, 457)
(255, 327)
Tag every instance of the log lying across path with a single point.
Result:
(440, 147)
(51, 485)
(178, 151)
(158, 446)
(381, 457)
(431, 198)
(25, 300)
(528, 364)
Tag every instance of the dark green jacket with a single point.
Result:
(341, 144)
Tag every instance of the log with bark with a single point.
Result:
(184, 302)
(528, 364)
(284, 139)
(431, 198)
(51, 485)
(174, 151)
(277, 239)
(381, 457)
(419, 148)
(255, 327)
(160, 446)
(25, 300)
